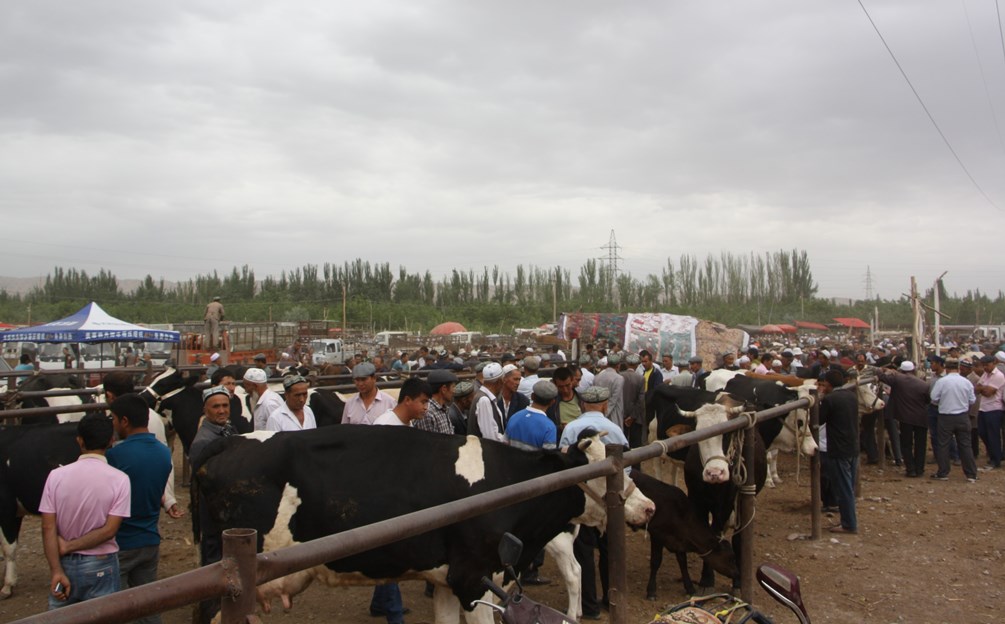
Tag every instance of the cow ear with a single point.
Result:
(584, 444)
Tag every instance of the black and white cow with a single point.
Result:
(27, 454)
(717, 500)
(682, 409)
(44, 383)
(271, 483)
(785, 434)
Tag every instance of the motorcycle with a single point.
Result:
(516, 608)
(777, 582)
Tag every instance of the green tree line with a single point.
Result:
(773, 287)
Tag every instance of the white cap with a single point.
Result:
(743, 360)
(907, 366)
(285, 355)
(492, 371)
(834, 353)
(506, 370)
(214, 357)
(602, 361)
(796, 351)
(776, 363)
(255, 375)
(1000, 356)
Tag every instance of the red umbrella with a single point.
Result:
(811, 325)
(772, 329)
(788, 329)
(854, 323)
(445, 329)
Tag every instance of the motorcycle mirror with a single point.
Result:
(783, 586)
(510, 549)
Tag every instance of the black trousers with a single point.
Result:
(589, 539)
(913, 442)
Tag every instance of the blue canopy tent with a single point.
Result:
(89, 324)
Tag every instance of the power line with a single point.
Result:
(925, 108)
(868, 283)
(1001, 36)
(980, 66)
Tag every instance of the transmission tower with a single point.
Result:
(612, 259)
(868, 283)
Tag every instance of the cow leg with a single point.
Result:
(685, 576)
(10, 566)
(480, 614)
(10, 527)
(772, 479)
(560, 550)
(655, 561)
(446, 606)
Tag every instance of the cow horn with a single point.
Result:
(736, 410)
(687, 414)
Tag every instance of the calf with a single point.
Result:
(676, 527)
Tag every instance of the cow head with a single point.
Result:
(715, 465)
(801, 423)
(164, 386)
(638, 508)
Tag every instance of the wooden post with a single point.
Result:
(815, 519)
(915, 324)
(748, 491)
(240, 549)
(618, 573)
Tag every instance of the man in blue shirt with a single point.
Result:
(530, 428)
(24, 364)
(147, 462)
(954, 395)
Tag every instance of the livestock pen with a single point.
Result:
(234, 577)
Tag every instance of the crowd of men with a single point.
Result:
(524, 398)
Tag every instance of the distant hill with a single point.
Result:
(23, 285)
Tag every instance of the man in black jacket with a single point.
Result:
(839, 413)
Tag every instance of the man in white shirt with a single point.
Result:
(268, 400)
(413, 400)
(294, 414)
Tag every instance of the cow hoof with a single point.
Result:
(6, 593)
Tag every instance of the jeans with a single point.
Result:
(989, 427)
(138, 566)
(955, 427)
(842, 477)
(90, 576)
(387, 600)
(912, 444)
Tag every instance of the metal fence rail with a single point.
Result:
(224, 579)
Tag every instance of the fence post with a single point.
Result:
(618, 573)
(748, 491)
(815, 511)
(240, 548)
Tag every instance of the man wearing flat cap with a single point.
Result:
(457, 411)
(369, 402)
(593, 402)
(609, 378)
(441, 384)
(266, 400)
(294, 414)
(530, 428)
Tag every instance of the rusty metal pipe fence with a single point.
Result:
(224, 579)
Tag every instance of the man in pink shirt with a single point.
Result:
(82, 506)
(989, 418)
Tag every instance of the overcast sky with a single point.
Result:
(174, 138)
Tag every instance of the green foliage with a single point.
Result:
(731, 289)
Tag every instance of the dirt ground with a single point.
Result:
(926, 552)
